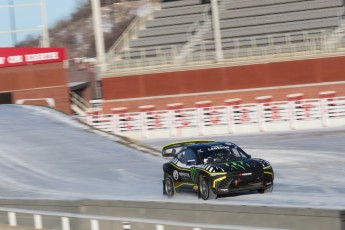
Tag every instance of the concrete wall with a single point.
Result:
(198, 212)
(309, 76)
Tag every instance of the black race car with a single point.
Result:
(213, 168)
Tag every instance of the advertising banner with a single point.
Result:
(27, 56)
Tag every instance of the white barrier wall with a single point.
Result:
(244, 118)
(154, 215)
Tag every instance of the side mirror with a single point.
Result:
(249, 156)
(169, 152)
(191, 162)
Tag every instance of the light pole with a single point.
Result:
(13, 30)
(216, 31)
(98, 31)
(45, 31)
(12, 22)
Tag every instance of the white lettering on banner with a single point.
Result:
(15, 59)
(2, 60)
(41, 56)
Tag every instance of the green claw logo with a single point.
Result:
(193, 174)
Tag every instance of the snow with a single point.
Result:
(45, 154)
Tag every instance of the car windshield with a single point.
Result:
(220, 154)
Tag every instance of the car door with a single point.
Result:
(181, 174)
(191, 162)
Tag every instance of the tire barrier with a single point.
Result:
(234, 117)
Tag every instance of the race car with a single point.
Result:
(212, 168)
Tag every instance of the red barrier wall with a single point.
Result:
(37, 81)
(278, 74)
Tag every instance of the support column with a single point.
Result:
(216, 31)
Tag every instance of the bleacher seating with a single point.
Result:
(244, 24)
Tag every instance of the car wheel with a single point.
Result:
(169, 186)
(266, 189)
(205, 189)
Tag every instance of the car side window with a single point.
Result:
(182, 156)
(239, 152)
(190, 157)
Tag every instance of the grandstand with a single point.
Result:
(181, 32)
(268, 47)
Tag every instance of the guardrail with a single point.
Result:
(125, 222)
(164, 215)
(254, 117)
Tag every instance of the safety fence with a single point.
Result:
(215, 120)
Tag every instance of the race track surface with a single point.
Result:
(47, 155)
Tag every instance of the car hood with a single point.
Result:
(244, 165)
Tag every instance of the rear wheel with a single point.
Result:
(205, 189)
(169, 186)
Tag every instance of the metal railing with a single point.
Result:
(79, 104)
(122, 43)
(267, 47)
(333, 39)
(272, 116)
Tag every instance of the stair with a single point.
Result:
(197, 31)
(79, 105)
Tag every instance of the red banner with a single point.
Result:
(27, 56)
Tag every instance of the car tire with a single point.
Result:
(267, 189)
(169, 186)
(205, 190)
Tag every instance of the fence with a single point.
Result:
(215, 120)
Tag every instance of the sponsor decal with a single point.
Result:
(235, 165)
(25, 56)
(218, 147)
(245, 174)
(175, 175)
(184, 174)
(193, 174)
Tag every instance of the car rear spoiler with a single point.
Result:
(171, 149)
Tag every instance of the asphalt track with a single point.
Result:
(47, 155)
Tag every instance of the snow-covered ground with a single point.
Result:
(45, 154)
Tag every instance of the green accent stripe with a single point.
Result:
(190, 184)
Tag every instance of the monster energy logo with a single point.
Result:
(193, 174)
(235, 165)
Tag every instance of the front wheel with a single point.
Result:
(169, 186)
(266, 189)
(205, 189)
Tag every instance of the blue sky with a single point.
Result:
(29, 17)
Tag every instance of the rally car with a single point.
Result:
(212, 168)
